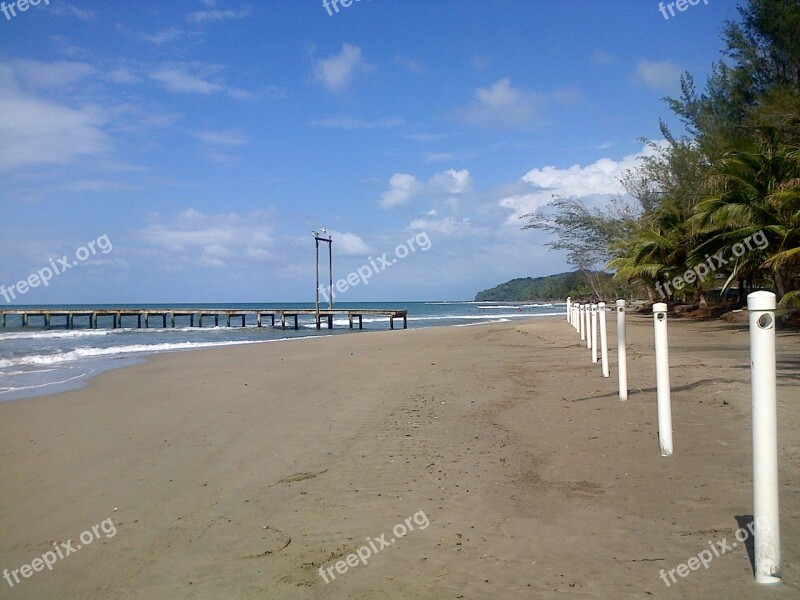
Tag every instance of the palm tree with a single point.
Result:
(757, 192)
(657, 252)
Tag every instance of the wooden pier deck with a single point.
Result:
(115, 317)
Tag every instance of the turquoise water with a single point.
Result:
(35, 361)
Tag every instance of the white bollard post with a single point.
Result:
(587, 316)
(622, 351)
(767, 542)
(582, 321)
(603, 339)
(662, 379)
(569, 306)
(593, 316)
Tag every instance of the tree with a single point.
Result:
(762, 80)
(668, 184)
(757, 191)
(586, 234)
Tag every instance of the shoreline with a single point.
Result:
(249, 468)
(96, 365)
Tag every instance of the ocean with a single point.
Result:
(35, 361)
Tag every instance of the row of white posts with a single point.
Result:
(761, 305)
(584, 318)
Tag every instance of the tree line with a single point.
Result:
(555, 287)
(717, 208)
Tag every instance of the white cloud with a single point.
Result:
(259, 254)
(504, 105)
(139, 120)
(663, 76)
(437, 157)
(355, 123)
(164, 36)
(195, 78)
(67, 9)
(225, 138)
(402, 187)
(179, 81)
(197, 238)
(93, 185)
(426, 137)
(40, 75)
(446, 225)
(122, 76)
(601, 178)
(412, 66)
(239, 94)
(349, 244)
(452, 181)
(211, 16)
(34, 131)
(336, 72)
(432, 157)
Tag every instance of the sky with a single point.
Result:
(184, 150)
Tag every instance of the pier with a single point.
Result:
(115, 318)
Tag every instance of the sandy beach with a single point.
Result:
(488, 461)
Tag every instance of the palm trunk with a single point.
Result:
(780, 282)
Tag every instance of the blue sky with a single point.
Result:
(207, 138)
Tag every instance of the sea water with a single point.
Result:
(36, 361)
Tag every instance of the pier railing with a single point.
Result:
(114, 318)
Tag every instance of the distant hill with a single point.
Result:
(551, 287)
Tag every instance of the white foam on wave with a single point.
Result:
(57, 334)
(26, 372)
(482, 317)
(498, 307)
(490, 321)
(5, 390)
(84, 353)
(54, 334)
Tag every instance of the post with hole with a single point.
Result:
(767, 542)
(622, 351)
(587, 314)
(569, 305)
(593, 317)
(662, 379)
(601, 308)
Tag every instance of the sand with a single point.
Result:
(496, 457)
